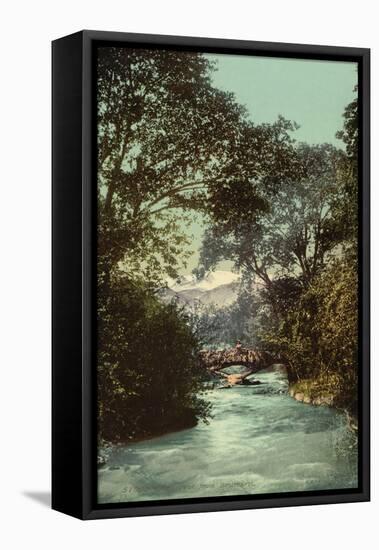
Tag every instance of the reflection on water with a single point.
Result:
(259, 441)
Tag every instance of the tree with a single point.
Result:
(294, 235)
(318, 335)
(350, 132)
(170, 144)
(222, 326)
(346, 211)
(149, 375)
(156, 142)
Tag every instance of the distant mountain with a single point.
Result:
(218, 288)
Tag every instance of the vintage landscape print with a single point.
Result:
(227, 275)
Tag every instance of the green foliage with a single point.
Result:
(302, 249)
(318, 334)
(350, 132)
(345, 211)
(221, 327)
(164, 134)
(149, 376)
(170, 145)
(296, 231)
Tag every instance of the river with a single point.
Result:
(259, 440)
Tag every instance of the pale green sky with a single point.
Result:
(312, 93)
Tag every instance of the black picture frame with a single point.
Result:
(74, 264)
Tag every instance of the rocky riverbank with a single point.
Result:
(313, 393)
(305, 396)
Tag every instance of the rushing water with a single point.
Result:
(260, 440)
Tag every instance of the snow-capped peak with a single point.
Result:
(211, 280)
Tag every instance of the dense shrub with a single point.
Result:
(319, 334)
(149, 376)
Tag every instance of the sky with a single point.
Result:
(311, 93)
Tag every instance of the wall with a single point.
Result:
(27, 28)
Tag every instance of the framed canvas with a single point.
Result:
(210, 275)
